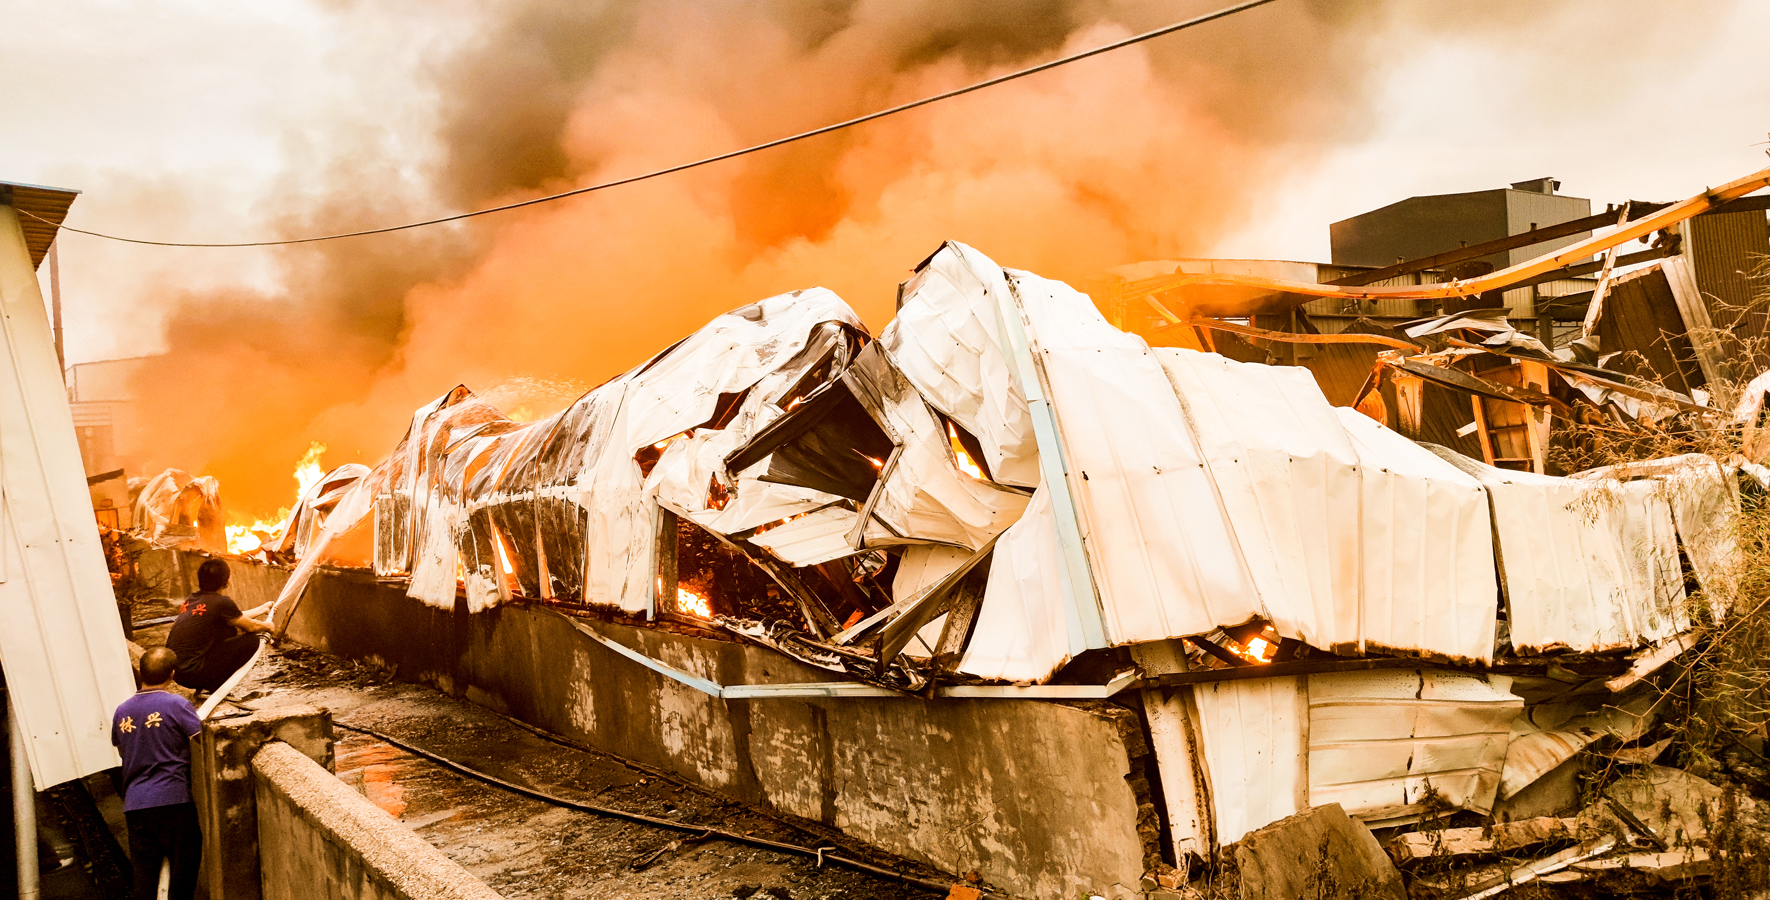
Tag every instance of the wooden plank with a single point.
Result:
(1290, 337)
(1481, 431)
(1596, 307)
(1695, 313)
(1536, 375)
(1497, 838)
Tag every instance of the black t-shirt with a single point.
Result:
(202, 620)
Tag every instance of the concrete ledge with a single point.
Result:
(319, 838)
(222, 782)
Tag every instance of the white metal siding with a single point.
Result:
(60, 639)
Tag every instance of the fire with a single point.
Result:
(694, 604)
(877, 463)
(244, 539)
(502, 554)
(1258, 649)
(966, 464)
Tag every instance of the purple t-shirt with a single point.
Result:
(153, 731)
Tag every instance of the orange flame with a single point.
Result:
(693, 604)
(244, 539)
(1258, 650)
(966, 464)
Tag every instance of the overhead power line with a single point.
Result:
(731, 154)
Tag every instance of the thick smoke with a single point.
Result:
(1147, 153)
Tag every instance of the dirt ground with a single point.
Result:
(524, 847)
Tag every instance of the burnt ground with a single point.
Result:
(524, 847)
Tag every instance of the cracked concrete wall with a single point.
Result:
(1042, 798)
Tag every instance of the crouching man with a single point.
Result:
(212, 638)
(152, 731)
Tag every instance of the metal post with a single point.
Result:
(55, 305)
(24, 808)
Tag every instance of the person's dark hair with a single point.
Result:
(157, 665)
(212, 575)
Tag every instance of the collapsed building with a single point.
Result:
(1004, 497)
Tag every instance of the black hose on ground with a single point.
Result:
(821, 854)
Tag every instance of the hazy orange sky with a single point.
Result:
(200, 121)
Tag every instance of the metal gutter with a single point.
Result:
(1082, 611)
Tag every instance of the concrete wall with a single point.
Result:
(222, 782)
(172, 574)
(1043, 798)
(319, 838)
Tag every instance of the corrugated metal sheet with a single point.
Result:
(1588, 564)
(1370, 741)
(1641, 317)
(1427, 578)
(1377, 740)
(1212, 492)
(1255, 745)
(1724, 248)
(49, 203)
(61, 643)
(949, 345)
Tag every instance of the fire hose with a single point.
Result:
(699, 832)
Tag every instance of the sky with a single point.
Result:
(185, 120)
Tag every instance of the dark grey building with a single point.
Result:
(1422, 226)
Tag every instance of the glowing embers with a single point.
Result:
(692, 604)
(1258, 650)
(718, 494)
(647, 456)
(770, 526)
(244, 539)
(1255, 642)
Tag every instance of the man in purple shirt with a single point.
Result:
(153, 731)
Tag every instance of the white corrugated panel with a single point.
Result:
(1288, 478)
(1588, 564)
(61, 643)
(1378, 739)
(924, 496)
(946, 340)
(1209, 492)
(1426, 539)
(1704, 499)
(812, 538)
(1252, 733)
(1164, 554)
(1020, 633)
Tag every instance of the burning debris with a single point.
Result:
(1004, 495)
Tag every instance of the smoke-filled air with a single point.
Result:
(1147, 153)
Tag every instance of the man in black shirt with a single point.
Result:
(211, 636)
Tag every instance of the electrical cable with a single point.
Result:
(822, 854)
(705, 161)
